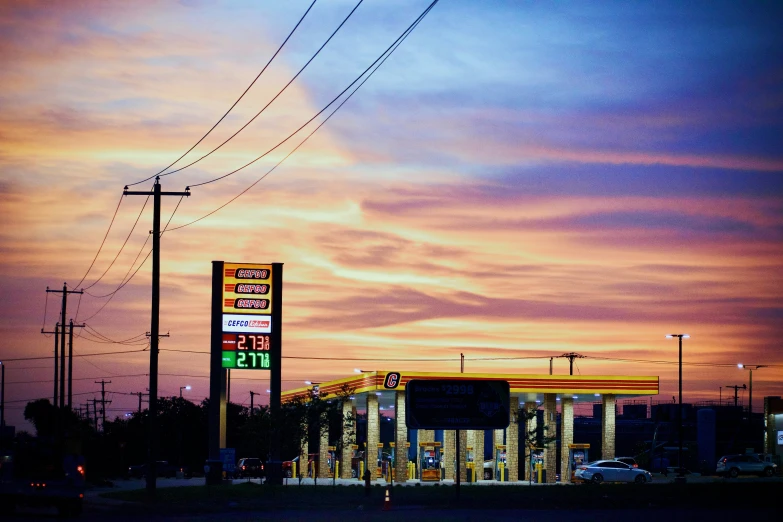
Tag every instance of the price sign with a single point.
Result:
(457, 404)
(246, 351)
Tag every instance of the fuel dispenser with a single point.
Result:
(501, 472)
(331, 461)
(357, 462)
(577, 455)
(393, 462)
(429, 461)
(537, 465)
(470, 465)
(382, 464)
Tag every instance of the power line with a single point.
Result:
(122, 247)
(82, 355)
(234, 104)
(402, 36)
(387, 53)
(272, 100)
(102, 243)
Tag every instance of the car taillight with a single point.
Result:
(80, 469)
(724, 460)
(582, 468)
(636, 465)
(244, 467)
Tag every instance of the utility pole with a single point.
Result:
(65, 293)
(95, 412)
(550, 365)
(252, 393)
(152, 432)
(103, 400)
(571, 356)
(56, 355)
(140, 394)
(737, 387)
(70, 358)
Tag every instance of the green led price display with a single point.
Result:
(246, 351)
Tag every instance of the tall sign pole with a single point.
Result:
(247, 300)
(152, 435)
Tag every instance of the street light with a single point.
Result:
(680, 476)
(750, 368)
(183, 388)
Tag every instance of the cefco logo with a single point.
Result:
(246, 323)
(392, 380)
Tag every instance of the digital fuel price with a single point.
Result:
(246, 351)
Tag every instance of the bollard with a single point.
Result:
(387, 501)
(337, 469)
(293, 470)
(361, 470)
(539, 471)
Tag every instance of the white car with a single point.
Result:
(611, 471)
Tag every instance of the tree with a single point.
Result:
(531, 439)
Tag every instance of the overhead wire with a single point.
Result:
(102, 243)
(122, 247)
(387, 53)
(237, 100)
(402, 36)
(270, 101)
(126, 279)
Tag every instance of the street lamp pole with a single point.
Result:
(750, 368)
(680, 476)
(183, 388)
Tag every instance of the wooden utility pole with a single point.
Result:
(103, 400)
(152, 432)
(70, 358)
(65, 293)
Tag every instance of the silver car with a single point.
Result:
(734, 465)
(611, 471)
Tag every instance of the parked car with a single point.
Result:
(250, 467)
(734, 465)
(611, 471)
(628, 460)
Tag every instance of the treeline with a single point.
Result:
(183, 432)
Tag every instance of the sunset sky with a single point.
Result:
(518, 180)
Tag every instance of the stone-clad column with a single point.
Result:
(347, 451)
(566, 438)
(449, 452)
(302, 467)
(323, 455)
(512, 441)
(478, 453)
(463, 455)
(401, 452)
(607, 426)
(373, 434)
(531, 426)
(550, 431)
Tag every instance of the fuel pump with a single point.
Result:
(577, 455)
(429, 461)
(381, 465)
(331, 460)
(470, 465)
(501, 472)
(356, 462)
(537, 468)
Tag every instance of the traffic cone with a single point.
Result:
(387, 502)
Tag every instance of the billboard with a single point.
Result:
(457, 404)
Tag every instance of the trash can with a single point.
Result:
(213, 472)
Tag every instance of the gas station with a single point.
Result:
(384, 392)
